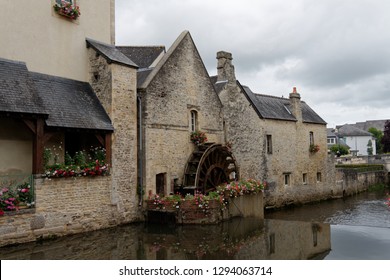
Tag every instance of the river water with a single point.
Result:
(354, 228)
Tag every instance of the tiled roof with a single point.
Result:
(17, 90)
(111, 53)
(71, 104)
(144, 57)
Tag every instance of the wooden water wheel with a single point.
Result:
(209, 166)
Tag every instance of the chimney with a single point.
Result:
(295, 101)
(225, 67)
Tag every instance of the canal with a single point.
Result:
(357, 227)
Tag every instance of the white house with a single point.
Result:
(359, 141)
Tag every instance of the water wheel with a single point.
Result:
(209, 166)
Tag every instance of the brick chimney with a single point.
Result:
(295, 101)
(225, 67)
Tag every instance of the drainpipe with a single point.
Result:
(140, 150)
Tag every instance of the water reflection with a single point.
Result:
(237, 239)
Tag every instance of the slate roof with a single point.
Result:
(71, 104)
(111, 53)
(17, 90)
(330, 133)
(378, 124)
(351, 130)
(272, 107)
(63, 102)
(142, 56)
(142, 75)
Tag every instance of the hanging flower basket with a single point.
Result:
(67, 9)
(314, 148)
(198, 137)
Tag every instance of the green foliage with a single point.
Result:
(68, 159)
(386, 138)
(378, 139)
(377, 187)
(46, 157)
(361, 167)
(370, 149)
(79, 158)
(342, 149)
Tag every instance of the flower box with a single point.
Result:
(67, 9)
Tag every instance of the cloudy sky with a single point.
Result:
(337, 53)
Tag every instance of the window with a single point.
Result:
(304, 178)
(286, 179)
(311, 138)
(319, 177)
(160, 184)
(194, 120)
(269, 144)
(331, 140)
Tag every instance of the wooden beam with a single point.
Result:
(107, 146)
(38, 146)
(31, 125)
(100, 139)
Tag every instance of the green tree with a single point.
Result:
(369, 148)
(339, 148)
(386, 138)
(378, 134)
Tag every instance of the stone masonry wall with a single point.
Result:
(182, 84)
(349, 182)
(290, 155)
(63, 206)
(245, 132)
(115, 86)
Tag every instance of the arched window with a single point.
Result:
(311, 135)
(194, 121)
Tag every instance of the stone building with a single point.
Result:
(280, 140)
(72, 88)
(58, 92)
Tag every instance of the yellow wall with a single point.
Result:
(15, 148)
(32, 32)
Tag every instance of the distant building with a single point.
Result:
(378, 124)
(359, 141)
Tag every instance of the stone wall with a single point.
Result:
(291, 157)
(115, 86)
(349, 182)
(189, 212)
(245, 132)
(63, 206)
(181, 85)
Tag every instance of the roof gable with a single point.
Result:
(175, 46)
